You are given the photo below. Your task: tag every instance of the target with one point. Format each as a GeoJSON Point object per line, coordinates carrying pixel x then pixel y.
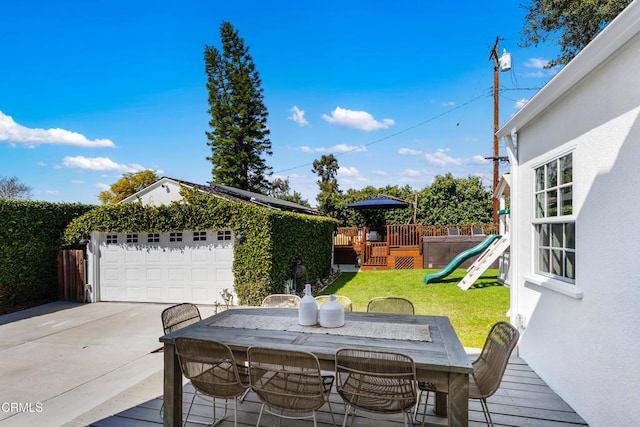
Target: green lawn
{"type": "Point", "coordinates": [472, 312]}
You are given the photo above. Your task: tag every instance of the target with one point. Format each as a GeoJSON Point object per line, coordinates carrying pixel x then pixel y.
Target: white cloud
{"type": "Point", "coordinates": [338, 148]}
{"type": "Point", "coordinates": [380, 173]}
{"type": "Point", "coordinates": [297, 115]}
{"type": "Point", "coordinates": [537, 63]}
{"type": "Point", "coordinates": [479, 159]}
{"type": "Point", "coordinates": [356, 119]}
{"type": "Point", "coordinates": [409, 152]}
{"type": "Point", "coordinates": [100, 164]}
{"type": "Point", "coordinates": [348, 171]}
{"type": "Point", "coordinates": [411, 172]}
{"type": "Point", "coordinates": [520, 102]}
{"type": "Point", "coordinates": [440, 158]}
{"type": "Point", "coordinates": [103, 187]}
{"type": "Point", "coordinates": [449, 104]}
{"type": "Point", "coordinates": [77, 181]}
{"type": "Point", "coordinates": [14, 133]}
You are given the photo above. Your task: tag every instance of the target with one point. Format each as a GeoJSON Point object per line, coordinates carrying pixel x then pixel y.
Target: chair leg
{"type": "Point", "coordinates": [331, 412]}
{"type": "Point", "coordinates": [487, 414]}
{"type": "Point", "coordinates": [260, 415]}
{"type": "Point", "coordinates": [244, 395]}
{"type": "Point", "coordinates": [415, 409]}
{"type": "Point", "coordinates": [189, 410]}
{"type": "Point", "coordinates": [424, 411]}
{"type": "Point", "coordinates": [347, 410]}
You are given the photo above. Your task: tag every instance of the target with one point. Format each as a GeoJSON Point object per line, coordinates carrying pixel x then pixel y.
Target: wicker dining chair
{"type": "Point", "coordinates": [381, 382]}
{"type": "Point", "coordinates": [213, 371]}
{"type": "Point", "coordinates": [281, 301]}
{"type": "Point", "coordinates": [288, 382]}
{"type": "Point", "coordinates": [178, 316]}
{"type": "Point", "coordinates": [390, 305]}
{"type": "Point", "coordinates": [345, 301]}
{"type": "Point", "coordinates": [488, 368]}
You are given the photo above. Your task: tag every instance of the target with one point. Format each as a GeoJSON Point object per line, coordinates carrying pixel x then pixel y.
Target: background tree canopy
{"type": "Point", "coordinates": [447, 200]}
{"type": "Point", "coordinates": [12, 188]}
{"type": "Point", "coordinates": [129, 184]}
{"type": "Point", "coordinates": [572, 24]}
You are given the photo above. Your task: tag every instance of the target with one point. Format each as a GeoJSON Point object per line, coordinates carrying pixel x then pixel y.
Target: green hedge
{"type": "Point", "coordinates": [30, 236]}
{"type": "Point", "coordinates": [261, 264]}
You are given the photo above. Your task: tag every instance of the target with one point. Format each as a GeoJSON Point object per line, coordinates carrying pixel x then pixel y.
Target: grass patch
{"type": "Point", "coordinates": [472, 312]}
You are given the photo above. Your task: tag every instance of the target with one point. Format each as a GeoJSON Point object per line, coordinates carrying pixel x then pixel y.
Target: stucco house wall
{"type": "Point", "coordinates": [583, 338]}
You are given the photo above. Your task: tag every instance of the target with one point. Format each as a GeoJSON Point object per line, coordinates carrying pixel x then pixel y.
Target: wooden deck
{"type": "Point", "coordinates": [522, 400]}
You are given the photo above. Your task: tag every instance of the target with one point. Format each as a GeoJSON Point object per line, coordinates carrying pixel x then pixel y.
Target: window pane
{"type": "Point", "coordinates": [570, 265]}
{"type": "Point", "coordinates": [556, 262]}
{"type": "Point", "coordinates": [552, 203]}
{"type": "Point", "coordinates": [543, 232]}
{"type": "Point", "coordinates": [552, 174]}
{"type": "Point", "coordinates": [543, 263]}
{"type": "Point", "coordinates": [570, 235]}
{"type": "Point", "coordinates": [566, 169]}
{"type": "Point", "coordinates": [540, 205]}
{"type": "Point", "coordinates": [556, 235]}
{"type": "Point", "coordinates": [540, 179]}
{"type": "Point", "coordinates": [566, 200]}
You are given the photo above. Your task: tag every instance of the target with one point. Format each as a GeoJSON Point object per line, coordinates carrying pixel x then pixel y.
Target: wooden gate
{"type": "Point", "coordinates": [71, 274]}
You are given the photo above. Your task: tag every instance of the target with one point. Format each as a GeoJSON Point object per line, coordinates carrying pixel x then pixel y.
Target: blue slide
{"type": "Point", "coordinates": [460, 258]}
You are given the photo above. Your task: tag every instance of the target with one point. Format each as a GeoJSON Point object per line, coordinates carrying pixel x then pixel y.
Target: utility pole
{"type": "Point", "coordinates": [496, 125]}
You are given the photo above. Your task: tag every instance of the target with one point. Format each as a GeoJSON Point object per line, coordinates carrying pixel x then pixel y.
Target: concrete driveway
{"type": "Point", "coordinates": [60, 360]}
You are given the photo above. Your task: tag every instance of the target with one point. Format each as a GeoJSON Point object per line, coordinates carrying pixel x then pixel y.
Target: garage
{"type": "Point", "coordinates": [170, 267]}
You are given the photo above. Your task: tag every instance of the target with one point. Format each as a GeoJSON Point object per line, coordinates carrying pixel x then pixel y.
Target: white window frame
{"type": "Point", "coordinates": [223, 235]}
{"type": "Point", "coordinates": [557, 282]}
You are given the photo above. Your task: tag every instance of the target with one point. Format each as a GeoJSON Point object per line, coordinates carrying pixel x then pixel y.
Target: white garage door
{"type": "Point", "coordinates": [184, 266]}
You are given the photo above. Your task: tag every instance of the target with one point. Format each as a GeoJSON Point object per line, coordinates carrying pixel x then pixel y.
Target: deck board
{"type": "Point", "coordinates": [523, 400]}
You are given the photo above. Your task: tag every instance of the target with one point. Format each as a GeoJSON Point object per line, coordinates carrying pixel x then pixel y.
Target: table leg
{"type": "Point", "coordinates": [441, 404]}
{"type": "Point", "coordinates": [458, 400]}
{"type": "Point", "coordinates": [172, 387]}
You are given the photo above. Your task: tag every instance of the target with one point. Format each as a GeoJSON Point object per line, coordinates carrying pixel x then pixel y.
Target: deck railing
{"type": "Point", "coordinates": [407, 234]}
{"type": "Point", "coordinates": [374, 254]}
{"type": "Point", "coordinates": [404, 235]}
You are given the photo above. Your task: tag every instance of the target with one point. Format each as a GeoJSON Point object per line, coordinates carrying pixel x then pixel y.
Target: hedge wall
{"type": "Point", "coordinates": [261, 264]}
{"type": "Point", "coordinates": [30, 236]}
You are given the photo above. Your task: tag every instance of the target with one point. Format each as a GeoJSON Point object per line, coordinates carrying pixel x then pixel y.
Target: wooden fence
{"type": "Point", "coordinates": [71, 274]}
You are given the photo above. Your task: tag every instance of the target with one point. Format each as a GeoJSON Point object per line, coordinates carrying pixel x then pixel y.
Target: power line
{"type": "Point", "coordinates": [400, 132]}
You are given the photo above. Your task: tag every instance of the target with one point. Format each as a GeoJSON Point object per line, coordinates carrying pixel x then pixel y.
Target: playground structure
{"type": "Point", "coordinates": [404, 246]}
{"type": "Point", "coordinates": [490, 249]}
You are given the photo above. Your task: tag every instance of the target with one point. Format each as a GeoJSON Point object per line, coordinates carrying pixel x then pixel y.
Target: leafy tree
{"type": "Point", "coordinates": [328, 199]}
{"type": "Point", "coordinates": [129, 184]}
{"type": "Point", "coordinates": [576, 22]}
{"type": "Point", "coordinates": [12, 188]}
{"type": "Point", "coordinates": [239, 134]}
{"type": "Point", "coordinates": [452, 200]}
{"type": "Point", "coordinates": [280, 189]}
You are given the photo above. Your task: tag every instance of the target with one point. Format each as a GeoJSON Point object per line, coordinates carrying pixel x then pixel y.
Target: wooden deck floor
{"type": "Point", "coordinates": [522, 400]}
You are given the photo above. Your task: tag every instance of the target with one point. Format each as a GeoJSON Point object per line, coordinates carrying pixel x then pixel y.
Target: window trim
{"type": "Point", "coordinates": [561, 284]}
{"type": "Point", "coordinates": [537, 281]}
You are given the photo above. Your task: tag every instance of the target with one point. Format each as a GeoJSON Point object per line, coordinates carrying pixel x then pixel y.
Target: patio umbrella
{"type": "Point", "coordinates": [378, 203]}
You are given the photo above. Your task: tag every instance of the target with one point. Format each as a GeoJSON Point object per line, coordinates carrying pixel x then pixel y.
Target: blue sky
{"type": "Point", "coordinates": [399, 91]}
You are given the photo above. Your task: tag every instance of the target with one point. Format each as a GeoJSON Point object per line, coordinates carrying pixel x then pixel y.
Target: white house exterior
{"type": "Point", "coordinates": [575, 174]}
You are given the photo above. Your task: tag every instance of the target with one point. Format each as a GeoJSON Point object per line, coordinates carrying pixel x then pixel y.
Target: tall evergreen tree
{"type": "Point", "coordinates": [239, 134]}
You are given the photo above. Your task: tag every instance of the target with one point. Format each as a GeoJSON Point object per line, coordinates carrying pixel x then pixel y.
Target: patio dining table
{"type": "Point", "coordinates": [431, 341]}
